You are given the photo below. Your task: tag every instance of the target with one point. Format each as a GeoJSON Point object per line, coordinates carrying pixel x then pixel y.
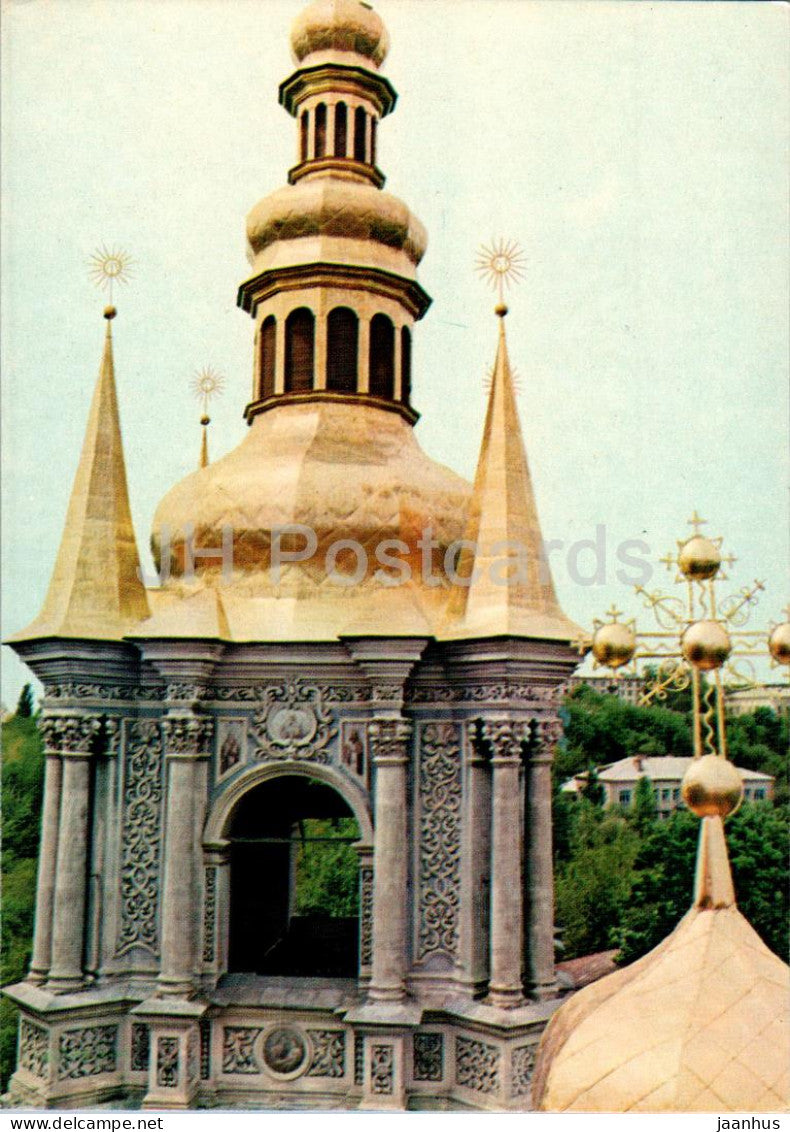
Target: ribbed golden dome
{"type": "Point", "coordinates": [333, 208]}
{"type": "Point", "coordinates": [347, 26]}
{"type": "Point", "coordinates": [700, 1024]}
{"type": "Point", "coordinates": [345, 471]}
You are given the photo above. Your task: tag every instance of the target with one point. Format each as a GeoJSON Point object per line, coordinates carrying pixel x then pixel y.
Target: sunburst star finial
{"type": "Point", "coordinates": [501, 264]}
{"type": "Point", "coordinates": [108, 266]}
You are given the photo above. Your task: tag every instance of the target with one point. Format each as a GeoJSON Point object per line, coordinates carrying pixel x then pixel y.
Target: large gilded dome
{"type": "Point", "coordinates": [700, 1024]}
{"type": "Point", "coordinates": [344, 471]}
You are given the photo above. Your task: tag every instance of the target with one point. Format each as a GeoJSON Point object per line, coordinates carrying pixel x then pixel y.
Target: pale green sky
{"type": "Point", "coordinates": [637, 151]}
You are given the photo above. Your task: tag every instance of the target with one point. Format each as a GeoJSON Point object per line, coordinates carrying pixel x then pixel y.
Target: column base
{"type": "Point", "coordinates": [174, 988]}
{"type": "Point", "coordinates": [386, 994]}
{"type": "Point", "coordinates": [63, 984]}
{"type": "Point", "coordinates": [36, 977]}
{"type": "Point", "coordinates": [542, 992]}
{"type": "Point", "coordinates": [506, 998]}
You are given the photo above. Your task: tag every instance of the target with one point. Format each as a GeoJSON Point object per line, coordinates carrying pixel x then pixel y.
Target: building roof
{"type": "Point", "coordinates": [697, 1025]}
{"type": "Point", "coordinates": [658, 768]}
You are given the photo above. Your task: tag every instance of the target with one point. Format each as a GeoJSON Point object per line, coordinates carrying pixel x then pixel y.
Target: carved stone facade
{"type": "Point", "coordinates": [439, 895]}
{"type": "Point", "coordinates": [141, 836]}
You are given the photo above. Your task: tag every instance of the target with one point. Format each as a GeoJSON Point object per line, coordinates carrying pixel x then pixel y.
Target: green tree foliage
{"type": "Point", "coordinates": [594, 883]}
{"type": "Point", "coordinates": [601, 729]}
{"type": "Point", "coordinates": [663, 884]}
{"type": "Point", "coordinates": [327, 875]}
{"type": "Point", "coordinates": [644, 810]}
{"type": "Point", "coordinates": [26, 704]}
{"type": "Point", "coordinates": [23, 777]}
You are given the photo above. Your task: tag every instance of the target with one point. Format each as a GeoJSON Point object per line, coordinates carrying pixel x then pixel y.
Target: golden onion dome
{"type": "Point", "coordinates": [348, 27]}
{"type": "Point", "coordinates": [614, 644]}
{"type": "Point", "coordinates": [712, 787]}
{"type": "Point", "coordinates": [706, 645]}
{"type": "Point", "coordinates": [779, 643]}
{"type": "Point", "coordinates": [699, 558]}
{"type": "Point", "coordinates": [328, 209]}
{"type": "Point", "coordinates": [344, 471]}
{"type": "Point", "coordinates": [697, 1025]}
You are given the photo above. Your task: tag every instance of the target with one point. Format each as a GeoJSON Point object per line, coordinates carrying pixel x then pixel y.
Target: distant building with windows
{"type": "Point", "coordinates": [666, 774]}
{"type": "Point", "coordinates": [740, 701]}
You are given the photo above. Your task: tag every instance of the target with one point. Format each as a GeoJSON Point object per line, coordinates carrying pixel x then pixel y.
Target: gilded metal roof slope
{"type": "Point", "coordinates": [502, 513]}
{"type": "Point", "coordinates": [700, 1024]}
{"type": "Point", "coordinates": [96, 590]}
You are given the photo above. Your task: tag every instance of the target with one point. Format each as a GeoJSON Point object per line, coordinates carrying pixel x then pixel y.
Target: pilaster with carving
{"type": "Point", "coordinates": [539, 959]}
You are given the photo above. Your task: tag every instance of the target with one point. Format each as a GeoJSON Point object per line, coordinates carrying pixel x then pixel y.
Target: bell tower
{"type": "Point", "coordinates": [334, 292]}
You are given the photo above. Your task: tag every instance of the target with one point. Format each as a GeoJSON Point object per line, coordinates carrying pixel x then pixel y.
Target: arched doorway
{"type": "Point", "coordinates": [294, 881]}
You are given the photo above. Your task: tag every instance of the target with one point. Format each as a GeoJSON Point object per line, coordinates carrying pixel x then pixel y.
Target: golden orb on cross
{"type": "Point", "coordinates": [706, 645]}
{"type": "Point", "coordinates": [613, 645]}
{"type": "Point", "coordinates": [699, 559]}
{"type": "Point", "coordinates": [712, 787]}
{"type": "Point", "coordinates": [779, 643]}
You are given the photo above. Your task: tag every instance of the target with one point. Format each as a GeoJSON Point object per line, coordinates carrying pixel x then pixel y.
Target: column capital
{"type": "Point", "coordinates": [549, 735]}
{"type": "Point", "coordinates": [504, 738]}
{"type": "Point", "coordinates": [187, 735]}
{"type": "Point", "coordinates": [79, 734]}
{"type": "Point", "coordinates": [389, 740]}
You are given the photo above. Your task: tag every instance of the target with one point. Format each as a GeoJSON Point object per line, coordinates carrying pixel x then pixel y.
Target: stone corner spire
{"type": "Point", "coordinates": [95, 590]}
{"type": "Point", "coordinates": [503, 525]}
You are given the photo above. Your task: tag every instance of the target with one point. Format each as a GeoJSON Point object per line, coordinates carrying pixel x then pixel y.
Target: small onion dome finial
{"type": "Point", "coordinates": [699, 558]}
{"type": "Point", "coordinates": [706, 645]}
{"type": "Point", "coordinates": [712, 787]}
{"type": "Point", "coordinates": [500, 309]}
{"type": "Point", "coordinates": [110, 313]}
{"type": "Point", "coordinates": [779, 643]}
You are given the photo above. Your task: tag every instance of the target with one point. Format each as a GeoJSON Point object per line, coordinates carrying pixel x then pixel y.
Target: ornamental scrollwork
{"type": "Point", "coordinates": [293, 723]}
{"type": "Point", "coordinates": [382, 1070]}
{"type": "Point", "coordinates": [428, 1057]}
{"type": "Point", "coordinates": [140, 1054]}
{"type": "Point", "coordinates": [187, 735]}
{"type": "Point", "coordinates": [33, 1048]}
{"type": "Point", "coordinates": [440, 839]}
{"type": "Point", "coordinates": [103, 692]}
{"type": "Point", "coordinates": [365, 915]}
{"type": "Point", "coordinates": [476, 1065]}
{"type": "Point", "coordinates": [237, 1049]}
{"type": "Point", "coordinates": [87, 1052]}
{"type": "Point", "coordinates": [522, 1063]}
{"type": "Point", "coordinates": [141, 837]}
{"type": "Point", "coordinates": [329, 1053]}
{"type": "Point", "coordinates": [167, 1062]}
{"type": "Point", "coordinates": [524, 694]}
{"type": "Point", "coordinates": [209, 914]}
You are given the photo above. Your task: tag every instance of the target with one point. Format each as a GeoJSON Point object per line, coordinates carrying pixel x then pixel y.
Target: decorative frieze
{"type": "Point", "coordinates": [382, 1069]}
{"type": "Point", "coordinates": [523, 694]}
{"type": "Point", "coordinates": [329, 1053]}
{"type": "Point", "coordinates": [522, 1063]}
{"type": "Point", "coordinates": [140, 1054]}
{"type": "Point", "coordinates": [141, 837]}
{"type": "Point", "coordinates": [33, 1048]}
{"type": "Point", "coordinates": [428, 1057]}
{"type": "Point", "coordinates": [87, 1052]}
{"type": "Point", "coordinates": [209, 914]}
{"type": "Point", "coordinates": [293, 723]}
{"type": "Point", "coordinates": [167, 1059]}
{"type": "Point", "coordinates": [237, 1049]}
{"type": "Point", "coordinates": [476, 1065]}
{"type": "Point", "coordinates": [440, 839]}
{"type": "Point", "coordinates": [129, 693]}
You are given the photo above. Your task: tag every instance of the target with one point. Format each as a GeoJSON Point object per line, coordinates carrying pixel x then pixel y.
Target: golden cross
{"type": "Point", "coordinates": [696, 522]}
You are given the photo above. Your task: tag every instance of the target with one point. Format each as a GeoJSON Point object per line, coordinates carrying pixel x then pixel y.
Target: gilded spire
{"type": "Point", "coordinates": [95, 590]}
{"type": "Point", "coordinates": [206, 384]}
{"type": "Point", "coordinates": [511, 590]}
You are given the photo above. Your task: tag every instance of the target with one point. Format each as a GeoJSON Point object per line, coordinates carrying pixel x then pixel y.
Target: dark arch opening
{"type": "Point", "coordinates": [405, 365]}
{"type": "Point", "coordinates": [341, 129]}
{"type": "Point", "coordinates": [320, 130]}
{"type": "Point", "coordinates": [299, 350]}
{"type": "Point", "coordinates": [268, 355]}
{"type": "Point", "coordinates": [342, 337]}
{"type": "Point", "coordinates": [382, 357]}
{"type": "Point", "coordinates": [373, 125]}
{"type": "Point", "coordinates": [359, 134]}
{"type": "Point", "coordinates": [294, 881]}
{"type": "Point", "coordinates": [305, 134]}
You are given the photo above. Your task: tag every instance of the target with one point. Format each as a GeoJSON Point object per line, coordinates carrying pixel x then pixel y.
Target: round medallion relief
{"type": "Point", "coordinates": [291, 726]}
{"type": "Point", "coordinates": [284, 1050]}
